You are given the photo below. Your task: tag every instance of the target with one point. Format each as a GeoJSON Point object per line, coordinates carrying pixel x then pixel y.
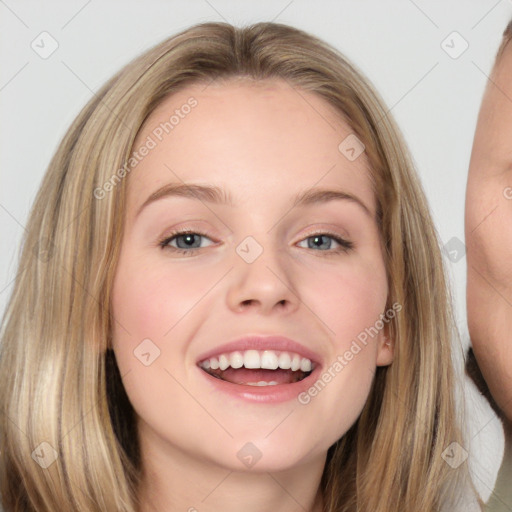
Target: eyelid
{"type": "Point", "coordinates": [187, 226]}
{"type": "Point", "coordinates": [180, 232]}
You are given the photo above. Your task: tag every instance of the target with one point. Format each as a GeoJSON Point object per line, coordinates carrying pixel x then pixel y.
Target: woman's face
{"type": "Point", "coordinates": [268, 256]}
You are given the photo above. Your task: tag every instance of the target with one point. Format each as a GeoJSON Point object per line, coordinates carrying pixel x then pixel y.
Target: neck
{"type": "Point", "coordinates": [176, 481]}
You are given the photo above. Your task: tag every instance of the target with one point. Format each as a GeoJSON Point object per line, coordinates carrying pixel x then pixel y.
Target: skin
{"type": "Point", "coordinates": [489, 236]}
{"type": "Point", "coordinates": [263, 143]}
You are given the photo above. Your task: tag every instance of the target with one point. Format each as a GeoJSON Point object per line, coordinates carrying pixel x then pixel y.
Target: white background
{"type": "Point", "coordinates": [397, 44]}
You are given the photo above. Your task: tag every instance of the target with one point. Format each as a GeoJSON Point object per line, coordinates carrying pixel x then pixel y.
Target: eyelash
{"type": "Point", "coordinates": [345, 245]}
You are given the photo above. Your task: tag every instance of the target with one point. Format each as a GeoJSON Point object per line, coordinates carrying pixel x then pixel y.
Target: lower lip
{"type": "Point", "coordinates": [263, 394]}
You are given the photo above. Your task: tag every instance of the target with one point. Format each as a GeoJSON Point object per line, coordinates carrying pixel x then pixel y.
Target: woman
{"type": "Point", "coordinates": [144, 372]}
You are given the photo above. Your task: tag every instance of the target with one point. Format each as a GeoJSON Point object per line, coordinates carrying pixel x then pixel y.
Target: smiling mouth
{"type": "Point", "coordinates": [258, 368]}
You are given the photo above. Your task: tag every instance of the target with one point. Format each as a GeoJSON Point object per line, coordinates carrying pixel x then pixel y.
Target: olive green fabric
{"type": "Point", "coordinates": [501, 498]}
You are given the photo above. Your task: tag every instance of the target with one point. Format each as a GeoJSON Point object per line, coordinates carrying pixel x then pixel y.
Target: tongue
{"type": "Point", "coordinates": [245, 375]}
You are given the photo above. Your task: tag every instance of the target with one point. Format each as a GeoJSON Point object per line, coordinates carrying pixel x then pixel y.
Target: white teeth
{"type": "Point", "coordinates": [223, 362]}
{"type": "Point", "coordinates": [305, 365]}
{"type": "Point", "coordinates": [285, 361]}
{"type": "Point", "coordinates": [236, 360]}
{"type": "Point", "coordinates": [254, 359]}
{"type": "Point", "coordinates": [262, 383]}
{"type": "Point", "coordinates": [295, 363]}
{"type": "Point", "coordinates": [269, 360]}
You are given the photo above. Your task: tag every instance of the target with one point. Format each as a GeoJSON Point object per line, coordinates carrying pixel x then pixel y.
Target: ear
{"type": "Point", "coordinates": [385, 350]}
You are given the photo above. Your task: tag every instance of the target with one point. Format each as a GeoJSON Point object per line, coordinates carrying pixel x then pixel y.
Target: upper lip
{"type": "Point", "coordinates": [259, 342]}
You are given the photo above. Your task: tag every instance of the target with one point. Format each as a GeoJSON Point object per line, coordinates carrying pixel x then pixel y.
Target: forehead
{"type": "Point", "coordinates": [254, 138]}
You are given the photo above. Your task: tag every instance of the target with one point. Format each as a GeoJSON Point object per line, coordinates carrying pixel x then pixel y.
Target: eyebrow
{"type": "Point", "coordinates": [216, 195]}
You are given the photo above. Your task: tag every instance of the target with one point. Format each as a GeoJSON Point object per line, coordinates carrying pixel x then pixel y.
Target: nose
{"type": "Point", "coordinates": [265, 285]}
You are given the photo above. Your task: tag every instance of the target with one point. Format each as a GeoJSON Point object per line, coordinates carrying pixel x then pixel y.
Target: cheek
{"type": "Point", "coordinates": [348, 299]}
{"type": "Point", "coordinates": [350, 304]}
{"type": "Point", "coordinates": [148, 300]}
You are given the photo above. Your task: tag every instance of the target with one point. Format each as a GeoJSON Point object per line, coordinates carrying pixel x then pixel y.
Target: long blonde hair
{"type": "Point", "coordinates": [60, 383]}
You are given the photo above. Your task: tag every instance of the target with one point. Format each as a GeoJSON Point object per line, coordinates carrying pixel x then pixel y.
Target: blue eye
{"type": "Point", "coordinates": [186, 241]}
{"type": "Point", "coordinates": [323, 241]}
